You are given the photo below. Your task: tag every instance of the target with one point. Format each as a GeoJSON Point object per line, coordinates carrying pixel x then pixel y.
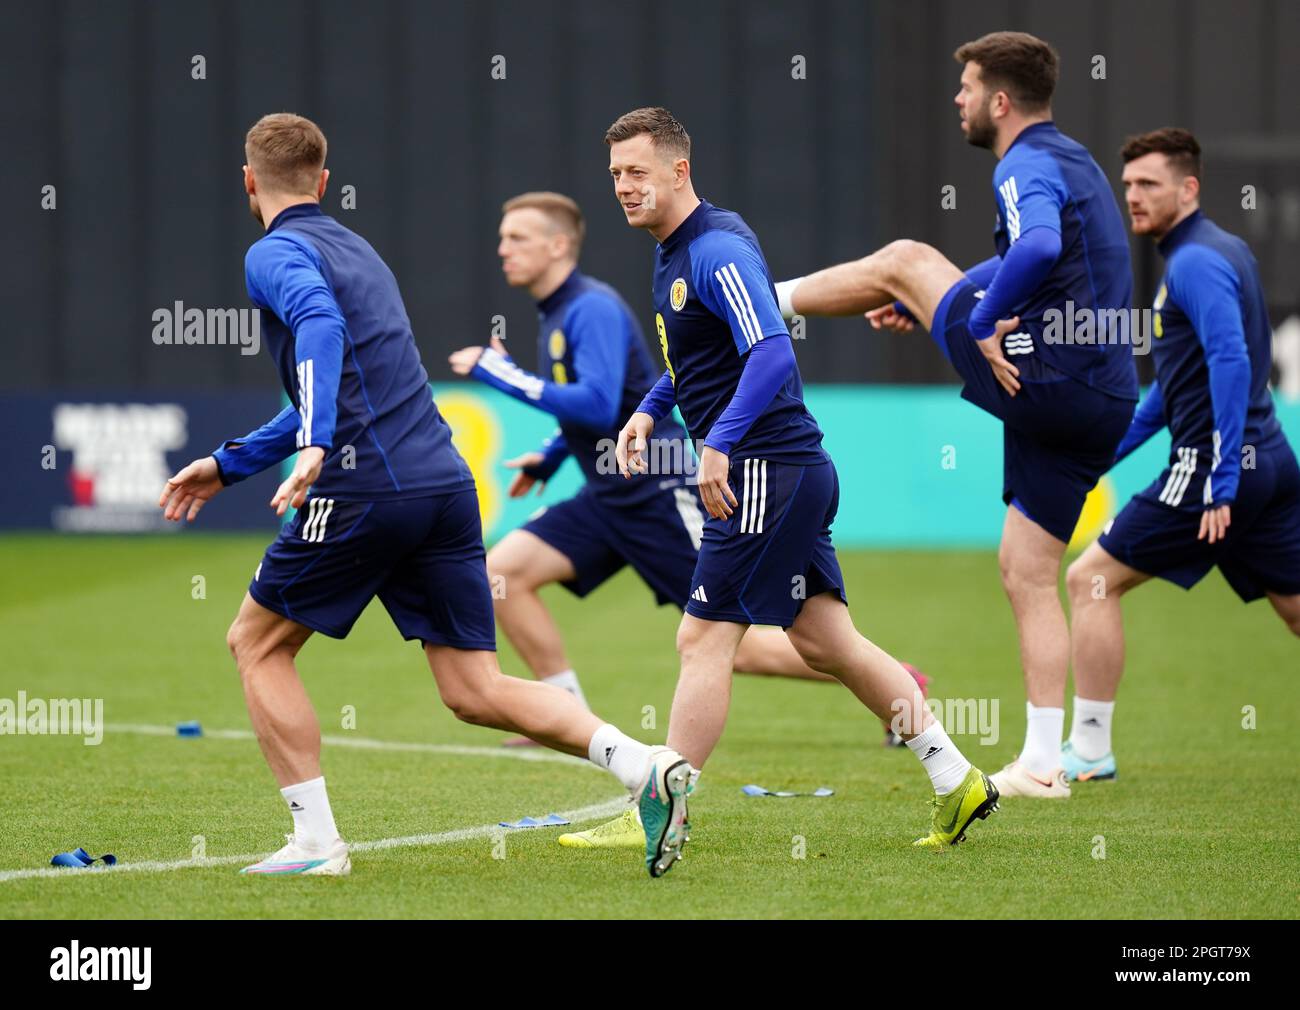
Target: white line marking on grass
{"type": "Point", "coordinates": [587, 813]}
{"type": "Point", "coordinates": [363, 743]}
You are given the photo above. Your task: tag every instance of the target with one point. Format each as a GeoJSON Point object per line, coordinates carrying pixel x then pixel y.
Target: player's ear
{"type": "Point", "coordinates": [250, 183]}
{"type": "Point", "coordinates": [1191, 188]}
{"type": "Point", "coordinates": [681, 172]}
{"type": "Point", "coordinates": [324, 181]}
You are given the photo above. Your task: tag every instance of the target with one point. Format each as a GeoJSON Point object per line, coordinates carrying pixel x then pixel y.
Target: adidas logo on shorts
{"type": "Point", "coordinates": [699, 596]}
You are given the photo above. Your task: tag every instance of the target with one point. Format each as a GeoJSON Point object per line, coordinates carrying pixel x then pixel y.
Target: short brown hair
{"type": "Point", "coordinates": [1022, 65]}
{"type": "Point", "coordinates": [1176, 144]}
{"type": "Point", "coordinates": [667, 135]}
{"type": "Point", "coordinates": [560, 210]}
{"type": "Point", "coordinates": [286, 152]}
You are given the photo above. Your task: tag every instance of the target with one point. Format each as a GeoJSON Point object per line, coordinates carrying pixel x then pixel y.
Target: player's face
{"type": "Point", "coordinates": [1151, 190]}
{"type": "Point", "coordinates": [643, 180]}
{"type": "Point", "coordinates": [973, 101]}
{"type": "Point", "coordinates": [527, 246]}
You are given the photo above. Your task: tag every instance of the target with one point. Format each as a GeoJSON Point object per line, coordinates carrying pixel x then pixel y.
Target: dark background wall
{"type": "Point", "coordinates": [100, 103]}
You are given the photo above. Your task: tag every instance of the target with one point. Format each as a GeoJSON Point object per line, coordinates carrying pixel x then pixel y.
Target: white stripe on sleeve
{"type": "Point", "coordinates": [749, 305]}
{"type": "Point", "coordinates": [733, 301]}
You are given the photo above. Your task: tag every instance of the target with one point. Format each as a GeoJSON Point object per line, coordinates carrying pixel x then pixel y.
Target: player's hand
{"type": "Point", "coordinates": [991, 347]}
{"type": "Point", "coordinates": [498, 345]}
{"type": "Point", "coordinates": [523, 482]}
{"type": "Point", "coordinates": [715, 491]}
{"type": "Point", "coordinates": [187, 492]}
{"type": "Point", "coordinates": [305, 471]}
{"type": "Point", "coordinates": [1215, 523]}
{"type": "Point", "coordinates": [632, 441]}
{"type": "Point", "coordinates": [463, 361]}
{"type": "Point", "coordinates": [889, 318]}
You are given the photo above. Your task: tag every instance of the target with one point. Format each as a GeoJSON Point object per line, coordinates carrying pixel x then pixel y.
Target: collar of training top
{"type": "Point", "coordinates": [688, 229]}
{"type": "Point", "coordinates": [297, 210]}
{"type": "Point", "coordinates": [1178, 232]}
{"type": "Point", "coordinates": [561, 294]}
{"type": "Point", "coordinates": [1046, 126]}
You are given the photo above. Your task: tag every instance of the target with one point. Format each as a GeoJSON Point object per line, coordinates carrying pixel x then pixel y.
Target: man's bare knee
{"type": "Point", "coordinates": [250, 641]}
{"type": "Point", "coordinates": [1079, 579]}
{"type": "Point", "coordinates": [700, 640]}
{"type": "Point", "coordinates": [690, 639]}
{"type": "Point", "coordinates": [1097, 575]}
{"type": "Point", "coordinates": [1009, 565]}
{"type": "Point", "coordinates": [524, 563]}
{"type": "Point", "coordinates": [813, 651]}
{"type": "Point", "coordinates": [470, 703]}
{"type": "Point", "coordinates": [1288, 608]}
{"type": "Point", "coordinates": [1023, 574]}
{"type": "Point", "coordinates": [910, 253]}
{"type": "Point", "coordinates": [507, 564]}
{"type": "Point", "coordinates": [1087, 579]}
{"type": "Point", "coordinates": [233, 639]}
{"type": "Point", "coordinates": [904, 258]}
{"type": "Point", "coordinates": [242, 641]}
{"type": "Point", "coordinates": [470, 708]}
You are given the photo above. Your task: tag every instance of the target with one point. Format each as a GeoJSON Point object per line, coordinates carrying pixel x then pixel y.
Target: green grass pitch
{"type": "Point", "coordinates": [1200, 823]}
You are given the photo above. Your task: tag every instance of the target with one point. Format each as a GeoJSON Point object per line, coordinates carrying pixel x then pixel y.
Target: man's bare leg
{"type": "Point", "coordinates": [699, 714]}
{"type": "Point", "coordinates": [824, 635]}
{"type": "Point", "coordinates": [474, 688]}
{"type": "Point", "coordinates": [264, 645]}
{"type": "Point", "coordinates": [1288, 608]}
{"type": "Point", "coordinates": [518, 566]}
{"type": "Point", "coordinates": [914, 273]}
{"type": "Point", "coordinates": [472, 685]}
{"type": "Point", "coordinates": [767, 652]}
{"type": "Point", "coordinates": [523, 563]}
{"type": "Point", "coordinates": [1096, 582]}
{"type": "Point", "coordinates": [1030, 561]}
{"type": "Point", "coordinates": [826, 638]}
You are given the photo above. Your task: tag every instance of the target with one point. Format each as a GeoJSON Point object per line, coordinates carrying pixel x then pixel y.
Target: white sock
{"type": "Point", "coordinates": [567, 680]}
{"type": "Point", "coordinates": [620, 754]}
{"type": "Point", "coordinates": [1090, 728]}
{"type": "Point", "coordinates": [785, 296]}
{"type": "Point", "coordinates": [1041, 754]}
{"type": "Point", "coordinates": [313, 821]}
{"type": "Point", "coordinates": [940, 758]}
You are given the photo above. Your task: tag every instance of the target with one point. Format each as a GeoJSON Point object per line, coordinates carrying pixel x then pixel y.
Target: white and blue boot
{"type": "Point", "coordinates": [1078, 769]}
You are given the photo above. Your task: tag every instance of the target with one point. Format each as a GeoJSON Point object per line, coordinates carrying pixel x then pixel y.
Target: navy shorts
{"type": "Point", "coordinates": [1261, 552]}
{"type": "Point", "coordinates": [774, 551]}
{"type": "Point", "coordinates": [423, 558]}
{"type": "Point", "coordinates": [1058, 435]}
{"type": "Point", "coordinates": [659, 537]}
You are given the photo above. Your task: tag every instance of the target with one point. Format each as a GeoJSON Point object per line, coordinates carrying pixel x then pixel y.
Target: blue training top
{"type": "Point", "coordinates": [1063, 249]}
{"type": "Point", "coordinates": [336, 328]}
{"type": "Point", "coordinates": [731, 366]}
{"type": "Point", "coordinates": [590, 343]}
{"type": "Point", "coordinates": [1213, 350]}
